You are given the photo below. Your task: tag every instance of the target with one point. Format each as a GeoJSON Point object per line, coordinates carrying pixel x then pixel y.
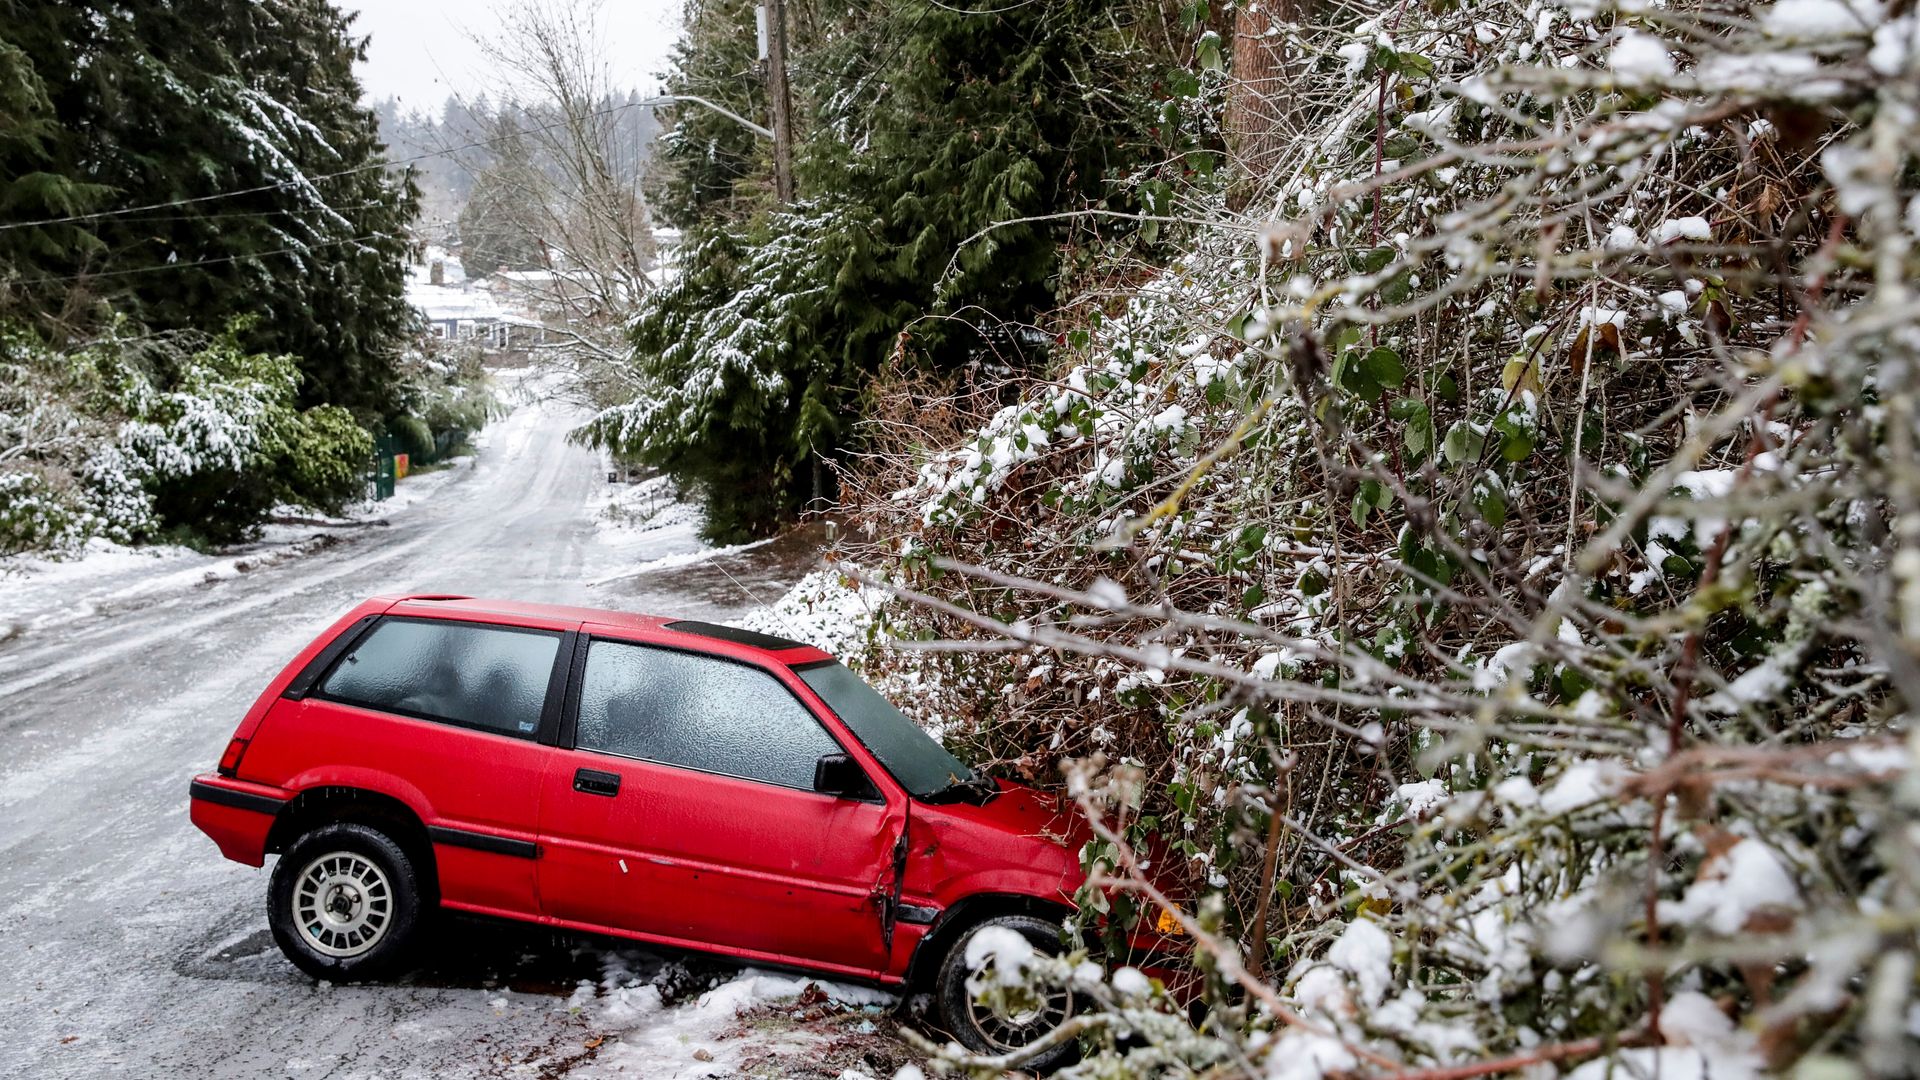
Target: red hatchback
{"type": "Point", "coordinates": [675, 782]}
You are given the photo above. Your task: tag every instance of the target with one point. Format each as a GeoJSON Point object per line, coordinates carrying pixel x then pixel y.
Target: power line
{"type": "Point", "coordinates": [281, 185]}
{"type": "Point", "coordinates": [228, 214]}
{"type": "Point", "coordinates": [56, 279]}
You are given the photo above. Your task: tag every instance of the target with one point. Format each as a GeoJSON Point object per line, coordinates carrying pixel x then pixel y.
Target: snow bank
{"type": "Point", "coordinates": [681, 558]}
{"type": "Point", "coordinates": [825, 609]}
{"type": "Point", "coordinates": [701, 1037]}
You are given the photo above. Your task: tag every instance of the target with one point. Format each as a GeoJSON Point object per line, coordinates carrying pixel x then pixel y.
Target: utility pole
{"type": "Point", "coordinates": [774, 17]}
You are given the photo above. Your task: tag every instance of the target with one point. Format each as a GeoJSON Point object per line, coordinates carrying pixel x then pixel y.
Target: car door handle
{"type": "Point", "coordinates": [595, 782]}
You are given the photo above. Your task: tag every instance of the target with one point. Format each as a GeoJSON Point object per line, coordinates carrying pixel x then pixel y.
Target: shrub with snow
{"type": "Point", "coordinates": [1488, 566]}
{"type": "Point", "coordinates": [127, 435]}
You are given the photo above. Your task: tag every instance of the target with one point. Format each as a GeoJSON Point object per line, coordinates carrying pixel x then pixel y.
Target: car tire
{"type": "Point", "coordinates": [344, 903]}
{"type": "Point", "coordinates": [986, 1031]}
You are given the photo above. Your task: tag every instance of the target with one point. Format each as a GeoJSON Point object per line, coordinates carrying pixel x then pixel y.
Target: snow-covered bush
{"type": "Point", "coordinates": [446, 395]}
{"type": "Point", "coordinates": [131, 434]}
{"type": "Point", "coordinates": [1485, 573]}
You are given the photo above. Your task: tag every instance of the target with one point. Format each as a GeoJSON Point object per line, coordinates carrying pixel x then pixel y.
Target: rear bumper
{"type": "Point", "coordinates": [236, 814]}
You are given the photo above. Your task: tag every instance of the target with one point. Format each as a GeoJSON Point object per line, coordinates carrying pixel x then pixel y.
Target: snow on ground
{"type": "Point", "coordinates": [37, 588]}
{"type": "Point", "coordinates": [680, 559]}
{"type": "Point", "coordinates": [649, 526]}
{"type": "Point", "coordinates": [748, 1022]}
{"type": "Point", "coordinates": [647, 506]}
{"type": "Point", "coordinates": [639, 519]}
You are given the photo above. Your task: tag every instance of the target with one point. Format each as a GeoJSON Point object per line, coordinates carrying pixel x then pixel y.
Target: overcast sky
{"type": "Point", "coordinates": [423, 50]}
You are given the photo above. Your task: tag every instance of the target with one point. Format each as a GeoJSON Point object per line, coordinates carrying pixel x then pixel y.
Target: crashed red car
{"type": "Point", "coordinates": [675, 782]}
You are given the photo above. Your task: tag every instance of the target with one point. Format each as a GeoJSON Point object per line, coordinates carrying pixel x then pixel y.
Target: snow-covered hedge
{"type": "Point", "coordinates": [127, 435]}
{"type": "Point", "coordinates": [1486, 572]}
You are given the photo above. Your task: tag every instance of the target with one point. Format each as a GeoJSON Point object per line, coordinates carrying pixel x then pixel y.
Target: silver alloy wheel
{"type": "Point", "coordinates": [343, 904]}
{"type": "Point", "coordinates": [1013, 1031]}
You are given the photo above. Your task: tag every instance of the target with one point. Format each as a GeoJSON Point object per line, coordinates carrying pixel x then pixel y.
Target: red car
{"type": "Point", "coordinates": [677, 782]}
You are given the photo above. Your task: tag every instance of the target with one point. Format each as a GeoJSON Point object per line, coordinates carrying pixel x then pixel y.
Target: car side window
{"type": "Point", "coordinates": [489, 677]}
{"type": "Point", "coordinates": [697, 712]}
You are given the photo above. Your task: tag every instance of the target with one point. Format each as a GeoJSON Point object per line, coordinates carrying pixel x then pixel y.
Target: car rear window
{"type": "Point", "coordinates": [488, 677]}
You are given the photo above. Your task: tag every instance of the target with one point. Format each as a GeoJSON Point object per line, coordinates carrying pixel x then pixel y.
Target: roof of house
{"type": "Point", "coordinates": [441, 304]}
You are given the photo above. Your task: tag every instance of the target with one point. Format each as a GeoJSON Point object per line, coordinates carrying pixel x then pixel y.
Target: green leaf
{"type": "Point", "coordinates": [1418, 434]}
{"type": "Point", "coordinates": [1207, 52]}
{"type": "Point", "coordinates": [1253, 598]}
{"type": "Point", "coordinates": [1401, 147]}
{"type": "Point", "coordinates": [1397, 288]}
{"type": "Point", "coordinates": [1572, 684]}
{"type": "Point", "coordinates": [1384, 368]}
{"type": "Point", "coordinates": [1517, 439]}
{"type": "Point", "coordinates": [1413, 65]}
{"type": "Point", "coordinates": [1462, 443]}
{"type": "Point", "coordinates": [1372, 494]}
{"type": "Point", "coordinates": [1493, 507]}
{"type": "Point", "coordinates": [1372, 259]}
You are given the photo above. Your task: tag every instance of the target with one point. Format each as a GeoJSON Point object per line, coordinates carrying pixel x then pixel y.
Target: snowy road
{"type": "Point", "coordinates": [130, 947]}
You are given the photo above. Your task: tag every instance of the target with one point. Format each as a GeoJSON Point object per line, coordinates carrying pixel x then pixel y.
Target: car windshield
{"type": "Point", "coordinates": [921, 765]}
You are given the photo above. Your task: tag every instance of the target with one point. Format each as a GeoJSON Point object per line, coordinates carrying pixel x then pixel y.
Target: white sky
{"type": "Point", "coordinates": [423, 50]}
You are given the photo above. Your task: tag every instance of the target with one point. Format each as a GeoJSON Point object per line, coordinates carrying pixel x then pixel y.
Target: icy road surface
{"type": "Point", "coordinates": [132, 949]}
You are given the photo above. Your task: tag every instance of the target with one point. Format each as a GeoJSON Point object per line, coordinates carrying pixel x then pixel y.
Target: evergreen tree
{"type": "Point", "coordinates": [702, 155]}
{"type": "Point", "coordinates": [928, 126]}
{"type": "Point", "coordinates": [235, 129]}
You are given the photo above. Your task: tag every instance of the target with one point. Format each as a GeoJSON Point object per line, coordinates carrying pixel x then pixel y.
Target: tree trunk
{"type": "Point", "coordinates": [781, 100]}
{"type": "Point", "coordinates": [1259, 98]}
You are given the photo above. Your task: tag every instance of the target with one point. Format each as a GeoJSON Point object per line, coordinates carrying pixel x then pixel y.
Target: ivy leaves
{"type": "Point", "coordinates": [1365, 373]}
{"type": "Point", "coordinates": [1417, 425]}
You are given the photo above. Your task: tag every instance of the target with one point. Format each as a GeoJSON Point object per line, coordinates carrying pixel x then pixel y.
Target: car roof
{"type": "Point", "coordinates": [731, 639]}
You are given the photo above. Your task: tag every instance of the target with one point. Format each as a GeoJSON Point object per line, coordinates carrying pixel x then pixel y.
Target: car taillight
{"type": "Point", "coordinates": [230, 761]}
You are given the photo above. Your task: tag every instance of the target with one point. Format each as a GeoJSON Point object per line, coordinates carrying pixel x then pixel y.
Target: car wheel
{"type": "Point", "coordinates": [344, 903]}
{"type": "Point", "coordinates": [1003, 1028]}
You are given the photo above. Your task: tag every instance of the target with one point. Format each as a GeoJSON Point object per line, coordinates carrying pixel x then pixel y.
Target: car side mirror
{"type": "Point", "coordinates": [838, 775]}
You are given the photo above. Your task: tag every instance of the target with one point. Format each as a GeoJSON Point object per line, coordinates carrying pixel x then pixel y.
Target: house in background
{"type": "Point", "coordinates": [459, 309]}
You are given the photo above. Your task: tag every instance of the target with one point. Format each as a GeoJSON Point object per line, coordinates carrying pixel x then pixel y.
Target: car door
{"type": "Point", "coordinates": [685, 811]}
{"type": "Point", "coordinates": [448, 717]}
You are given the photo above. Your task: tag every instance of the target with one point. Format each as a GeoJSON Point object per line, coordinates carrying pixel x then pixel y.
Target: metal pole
{"type": "Point", "coordinates": [763, 132]}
